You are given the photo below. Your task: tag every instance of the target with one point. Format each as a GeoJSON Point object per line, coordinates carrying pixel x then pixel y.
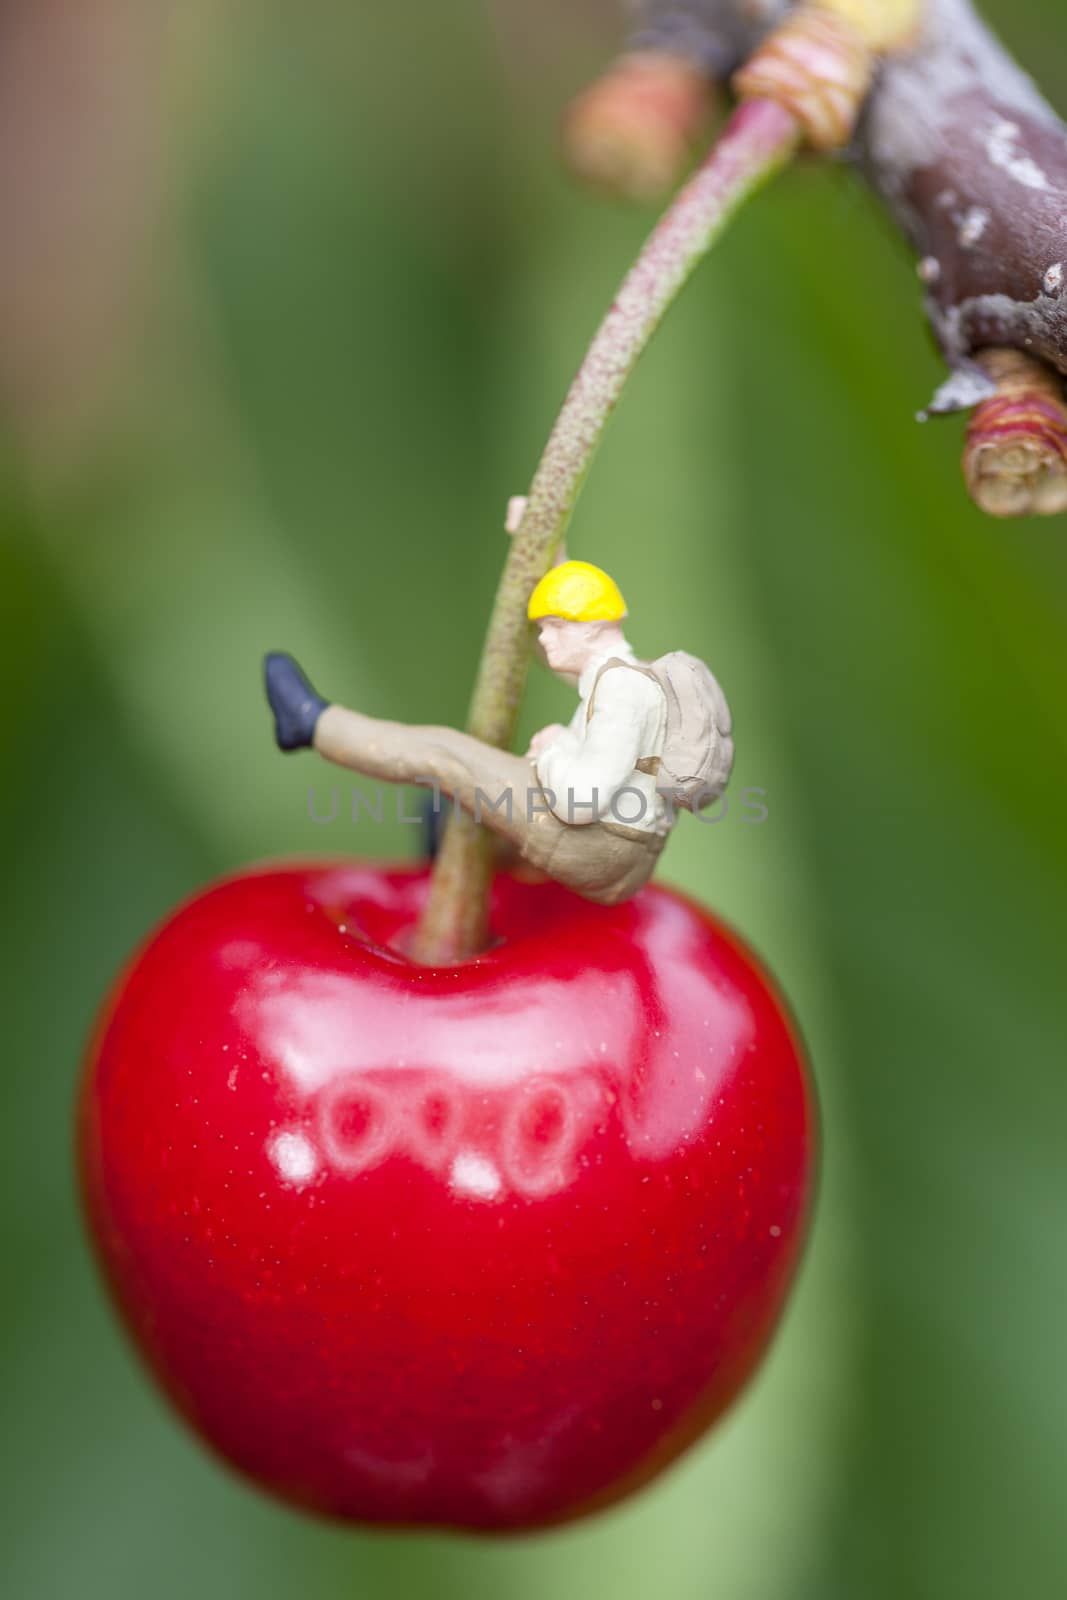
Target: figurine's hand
{"type": "Point", "coordinates": [513, 520]}
{"type": "Point", "coordinates": [541, 741]}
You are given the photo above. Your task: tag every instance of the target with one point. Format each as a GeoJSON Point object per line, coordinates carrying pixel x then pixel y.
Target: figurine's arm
{"type": "Point", "coordinates": [588, 772]}
{"type": "Point", "coordinates": [548, 736]}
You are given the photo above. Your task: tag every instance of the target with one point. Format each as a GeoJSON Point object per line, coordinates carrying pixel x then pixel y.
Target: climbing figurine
{"type": "Point", "coordinates": [590, 804]}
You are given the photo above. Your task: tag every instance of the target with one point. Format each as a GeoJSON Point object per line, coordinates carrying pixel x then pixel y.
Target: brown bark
{"type": "Point", "coordinates": [972, 162]}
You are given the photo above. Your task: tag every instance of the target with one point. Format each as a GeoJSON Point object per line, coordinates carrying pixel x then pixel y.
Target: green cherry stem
{"type": "Point", "coordinates": [759, 139]}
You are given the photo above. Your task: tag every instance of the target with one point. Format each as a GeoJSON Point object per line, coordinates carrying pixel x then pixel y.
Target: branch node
{"type": "Point", "coordinates": [818, 67]}
{"type": "Point", "coordinates": [1015, 455]}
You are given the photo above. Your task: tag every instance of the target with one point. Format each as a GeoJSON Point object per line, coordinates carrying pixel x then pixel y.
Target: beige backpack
{"type": "Point", "coordinates": [698, 752]}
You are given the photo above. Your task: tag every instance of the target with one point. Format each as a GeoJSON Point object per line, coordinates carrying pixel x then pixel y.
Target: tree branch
{"type": "Point", "coordinates": [972, 163]}
{"type": "Point", "coordinates": [970, 160]}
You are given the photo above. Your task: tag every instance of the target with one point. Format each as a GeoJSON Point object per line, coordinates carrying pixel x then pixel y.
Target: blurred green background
{"type": "Point", "coordinates": [288, 298]}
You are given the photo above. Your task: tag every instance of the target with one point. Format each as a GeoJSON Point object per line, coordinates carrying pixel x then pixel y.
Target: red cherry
{"type": "Point", "coordinates": [483, 1246]}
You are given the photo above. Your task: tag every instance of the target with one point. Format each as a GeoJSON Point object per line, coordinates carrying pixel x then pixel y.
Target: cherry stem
{"type": "Point", "coordinates": [759, 139]}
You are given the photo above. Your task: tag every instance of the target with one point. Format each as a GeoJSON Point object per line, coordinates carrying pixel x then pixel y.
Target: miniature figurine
{"type": "Point", "coordinates": [591, 804]}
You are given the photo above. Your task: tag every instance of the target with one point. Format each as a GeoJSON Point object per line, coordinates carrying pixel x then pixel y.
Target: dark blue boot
{"type": "Point", "coordinates": [296, 706]}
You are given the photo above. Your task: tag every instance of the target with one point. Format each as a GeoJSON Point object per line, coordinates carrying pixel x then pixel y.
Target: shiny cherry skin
{"type": "Point", "coordinates": [483, 1246]}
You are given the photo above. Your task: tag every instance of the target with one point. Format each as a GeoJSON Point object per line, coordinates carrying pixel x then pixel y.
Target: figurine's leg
{"type": "Point", "coordinates": [498, 788]}
{"type": "Point", "coordinates": [604, 862]}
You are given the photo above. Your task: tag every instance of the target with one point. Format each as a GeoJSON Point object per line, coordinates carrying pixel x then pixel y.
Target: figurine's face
{"type": "Point", "coordinates": [567, 646]}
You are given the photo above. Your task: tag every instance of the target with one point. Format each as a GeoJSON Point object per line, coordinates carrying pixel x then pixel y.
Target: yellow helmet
{"type": "Point", "coordinates": [578, 592]}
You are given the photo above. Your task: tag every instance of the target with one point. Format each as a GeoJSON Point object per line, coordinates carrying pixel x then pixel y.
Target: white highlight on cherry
{"type": "Point", "coordinates": [475, 1175]}
{"type": "Point", "coordinates": [293, 1156]}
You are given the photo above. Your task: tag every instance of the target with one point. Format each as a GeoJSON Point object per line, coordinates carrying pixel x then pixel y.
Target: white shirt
{"type": "Point", "coordinates": [591, 761]}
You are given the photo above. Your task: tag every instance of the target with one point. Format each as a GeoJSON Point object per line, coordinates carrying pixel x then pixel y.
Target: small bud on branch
{"type": "Point", "coordinates": [635, 130]}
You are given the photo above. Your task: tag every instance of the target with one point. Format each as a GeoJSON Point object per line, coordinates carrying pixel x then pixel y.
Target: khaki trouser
{"type": "Point", "coordinates": [604, 861]}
